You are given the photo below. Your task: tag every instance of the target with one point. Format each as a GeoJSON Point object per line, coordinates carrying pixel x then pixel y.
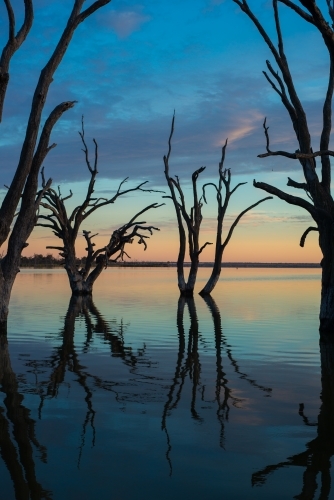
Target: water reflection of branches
{"type": "Point", "coordinates": [316, 459]}
{"type": "Point", "coordinates": [188, 362]}
{"type": "Point", "coordinates": [17, 434]}
{"type": "Point", "coordinates": [223, 344]}
{"type": "Point", "coordinates": [66, 358]}
{"type": "Point", "coordinates": [111, 332]}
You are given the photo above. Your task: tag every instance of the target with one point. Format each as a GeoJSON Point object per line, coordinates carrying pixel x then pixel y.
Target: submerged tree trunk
{"type": "Point", "coordinates": [217, 266]}
{"type": "Point", "coordinates": [80, 283]}
{"type": "Point", "coordinates": [6, 285]}
{"type": "Point", "coordinates": [326, 242]}
{"type": "Point", "coordinates": [188, 289]}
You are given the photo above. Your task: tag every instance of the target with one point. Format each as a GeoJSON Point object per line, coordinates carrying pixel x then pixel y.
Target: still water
{"type": "Point", "coordinates": [140, 395]}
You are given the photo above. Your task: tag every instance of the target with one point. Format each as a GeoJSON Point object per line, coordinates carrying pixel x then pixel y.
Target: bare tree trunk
{"type": "Point", "coordinates": [318, 189]}
{"type": "Point", "coordinates": [76, 277]}
{"type": "Point", "coordinates": [217, 266]}
{"type": "Point", "coordinates": [192, 221]}
{"type": "Point", "coordinates": [80, 283]}
{"type": "Point", "coordinates": [9, 268]}
{"type": "Point", "coordinates": [189, 289]}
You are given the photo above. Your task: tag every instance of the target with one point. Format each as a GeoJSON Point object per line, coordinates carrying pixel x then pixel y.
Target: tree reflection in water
{"type": "Point", "coordinates": [316, 459]}
{"type": "Point", "coordinates": [65, 357]}
{"type": "Point", "coordinates": [16, 445]}
{"type": "Point", "coordinates": [18, 440]}
{"type": "Point", "coordinates": [17, 434]}
{"type": "Point", "coordinates": [191, 366]}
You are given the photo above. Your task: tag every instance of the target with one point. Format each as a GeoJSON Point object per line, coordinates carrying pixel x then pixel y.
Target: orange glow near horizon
{"type": "Point", "coordinates": [269, 233]}
{"type": "Point", "coordinates": [274, 243]}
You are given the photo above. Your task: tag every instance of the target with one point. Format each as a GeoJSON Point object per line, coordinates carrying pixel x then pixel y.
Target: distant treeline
{"type": "Point", "coordinates": [39, 260]}
{"type": "Point", "coordinates": [48, 261]}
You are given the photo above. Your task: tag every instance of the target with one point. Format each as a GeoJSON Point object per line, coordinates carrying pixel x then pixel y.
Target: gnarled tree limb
{"type": "Point", "coordinates": [304, 235]}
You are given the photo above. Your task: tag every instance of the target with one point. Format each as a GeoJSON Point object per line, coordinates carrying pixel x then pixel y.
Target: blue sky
{"type": "Point", "coordinates": [131, 64]}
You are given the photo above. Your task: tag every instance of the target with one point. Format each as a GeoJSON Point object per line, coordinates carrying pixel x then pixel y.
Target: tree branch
{"type": "Point", "coordinates": [304, 235]}
{"type": "Point", "coordinates": [283, 95]}
{"type": "Point", "coordinates": [330, 10]}
{"type": "Point", "coordinates": [170, 141]}
{"type": "Point", "coordinates": [13, 44]}
{"type": "Point", "coordinates": [85, 150]}
{"type": "Point", "coordinates": [208, 184]}
{"type": "Point", "coordinates": [236, 187]}
{"type": "Point", "coordinates": [294, 156]}
{"type": "Point", "coordinates": [203, 246]}
{"type": "Point", "coordinates": [90, 10]}
{"type": "Point", "coordinates": [56, 248]}
{"type": "Point", "coordinates": [298, 10]}
{"type": "Point", "coordinates": [233, 226]}
{"type": "Point", "coordinates": [289, 198]}
{"type": "Point", "coordinates": [297, 185]}
{"type": "Point", "coordinates": [12, 197]}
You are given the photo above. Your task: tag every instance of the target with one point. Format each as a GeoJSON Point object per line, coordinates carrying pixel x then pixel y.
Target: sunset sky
{"type": "Point", "coordinates": [129, 67]}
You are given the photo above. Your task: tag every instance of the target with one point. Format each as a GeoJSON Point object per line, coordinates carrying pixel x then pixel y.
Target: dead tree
{"type": "Point", "coordinates": [222, 205]}
{"type": "Point", "coordinates": [192, 221]}
{"type": "Point", "coordinates": [66, 227]}
{"type": "Point", "coordinates": [320, 204]}
{"type": "Point", "coordinates": [35, 147]}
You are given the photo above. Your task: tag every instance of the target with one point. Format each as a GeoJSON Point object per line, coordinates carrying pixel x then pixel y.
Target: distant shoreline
{"type": "Point", "coordinates": [288, 265]}
{"type": "Point", "coordinates": [236, 265]}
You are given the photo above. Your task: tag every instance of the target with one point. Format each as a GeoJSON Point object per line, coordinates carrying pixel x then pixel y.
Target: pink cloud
{"type": "Point", "coordinates": [126, 22]}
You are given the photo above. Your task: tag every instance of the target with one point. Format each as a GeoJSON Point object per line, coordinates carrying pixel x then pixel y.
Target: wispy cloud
{"type": "Point", "coordinates": [124, 23]}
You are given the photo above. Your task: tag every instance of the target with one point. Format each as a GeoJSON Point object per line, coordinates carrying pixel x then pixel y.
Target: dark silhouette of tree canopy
{"type": "Point", "coordinates": [66, 227]}
{"type": "Point", "coordinates": [24, 186]}
{"type": "Point", "coordinates": [320, 204]}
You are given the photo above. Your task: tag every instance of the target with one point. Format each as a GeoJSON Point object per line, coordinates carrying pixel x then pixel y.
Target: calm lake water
{"type": "Point", "coordinates": [140, 395]}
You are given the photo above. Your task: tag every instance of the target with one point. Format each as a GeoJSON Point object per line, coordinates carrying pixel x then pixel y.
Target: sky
{"type": "Point", "coordinates": [129, 66]}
